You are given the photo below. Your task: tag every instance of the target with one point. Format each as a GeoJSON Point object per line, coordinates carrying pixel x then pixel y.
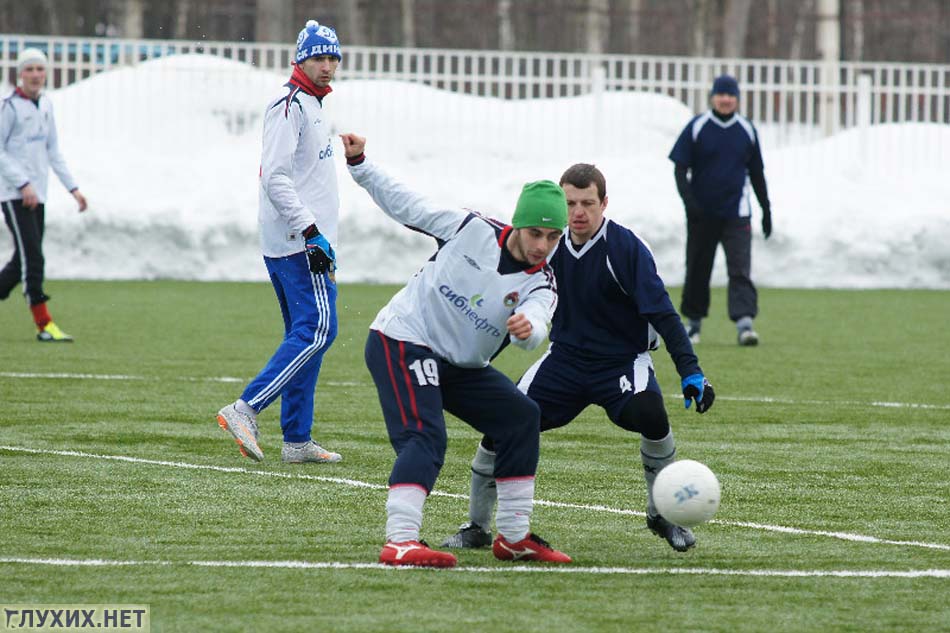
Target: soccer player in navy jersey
{"type": "Point", "coordinates": [720, 151]}
{"type": "Point", "coordinates": [612, 304]}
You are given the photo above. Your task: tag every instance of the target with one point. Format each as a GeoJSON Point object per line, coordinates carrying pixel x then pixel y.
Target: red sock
{"type": "Point", "coordinates": [40, 315]}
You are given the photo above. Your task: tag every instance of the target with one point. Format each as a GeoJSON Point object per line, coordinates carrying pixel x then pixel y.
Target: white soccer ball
{"type": "Point", "coordinates": [686, 493]}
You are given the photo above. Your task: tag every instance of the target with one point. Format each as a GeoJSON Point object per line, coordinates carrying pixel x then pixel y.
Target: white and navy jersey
{"type": "Point", "coordinates": [720, 156]}
{"type": "Point", "coordinates": [458, 304]}
{"type": "Point", "coordinates": [298, 176]}
{"type": "Point", "coordinates": [610, 296]}
{"type": "Point", "coordinates": [29, 146]}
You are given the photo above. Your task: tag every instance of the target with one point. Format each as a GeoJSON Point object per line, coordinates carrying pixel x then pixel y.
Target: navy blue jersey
{"type": "Point", "coordinates": [720, 156]}
{"type": "Point", "coordinates": [609, 294]}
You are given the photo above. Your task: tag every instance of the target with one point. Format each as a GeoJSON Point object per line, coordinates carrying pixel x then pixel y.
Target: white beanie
{"type": "Point", "coordinates": [30, 56]}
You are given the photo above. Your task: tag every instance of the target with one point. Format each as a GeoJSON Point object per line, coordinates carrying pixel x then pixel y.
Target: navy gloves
{"type": "Point", "coordinates": [767, 222]}
{"type": "Point", "coordinates": [320, 254]}
{"type": "Point", "coordinates": [697, 388]}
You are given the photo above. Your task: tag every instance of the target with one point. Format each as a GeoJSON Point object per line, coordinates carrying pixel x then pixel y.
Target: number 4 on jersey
{"type": "Point", "coordinates": [624, 384]}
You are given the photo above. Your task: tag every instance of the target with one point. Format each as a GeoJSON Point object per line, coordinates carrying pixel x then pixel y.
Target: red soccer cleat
{"type": "Point", "coordinates": [532, 547]}
{"type": "Point", "coordinates": [415, 553]}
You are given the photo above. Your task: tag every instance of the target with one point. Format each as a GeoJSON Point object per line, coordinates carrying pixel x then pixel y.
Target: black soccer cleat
{"type": "Point", "coordinates": [469, 536]}
{"type": "Point", "coordinates": [679, 538]}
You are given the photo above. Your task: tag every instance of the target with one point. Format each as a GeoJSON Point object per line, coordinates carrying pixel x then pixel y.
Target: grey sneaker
{"type": "Point", "coordinates": [469, 536]}
{"type": "Point", "coordinates": [748, 338]}
{"type": "Point", "coordinates": [307, 452]}
{"type": "Point", "coordinates": [679, 538]}
{"type": "Point", "coordinates": [244, 430]}
{"type": "Point", "coordinates": [693, 334]}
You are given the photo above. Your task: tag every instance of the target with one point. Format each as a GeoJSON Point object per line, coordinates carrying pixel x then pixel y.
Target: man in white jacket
{"type": "Point", "coordinates": [29, 146]}
{"type": "Point", "coordinates": [299, 210]}
{"type": "Point", "coordinates": [429, 351]}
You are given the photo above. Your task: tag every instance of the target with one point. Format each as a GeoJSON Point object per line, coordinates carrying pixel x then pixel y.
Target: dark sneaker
{"type": "Point", "coordinates": [748, 338]}
{"type": "Point", "coordinates": [532, 547]}
{"type": "Point", "coordinates": [693, 334]}
{"type": "Point", "coordinates": [416, 554]}
{"type": "Point", "coordinates": [469, 536]}
{"type": "Point", "coordinates": [679, 538]}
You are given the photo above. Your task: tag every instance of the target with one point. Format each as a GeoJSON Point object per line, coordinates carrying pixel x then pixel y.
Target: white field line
{"type": "Point", "coordinates": [132, 377]}
{"type": "Point", "coordinates": [329, 383]}
{"type": "Point", "coordinates": [514, 569]}
{"type": "Point", "coordinates": [845, 536]}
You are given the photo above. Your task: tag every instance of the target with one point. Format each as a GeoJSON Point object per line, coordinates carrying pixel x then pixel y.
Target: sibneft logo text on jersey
{"type": "Point", "coordinates": [462, 304]}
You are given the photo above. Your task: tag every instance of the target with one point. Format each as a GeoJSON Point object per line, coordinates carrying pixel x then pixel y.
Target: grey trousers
{"type": "Point", "coordinates": [702, 240]}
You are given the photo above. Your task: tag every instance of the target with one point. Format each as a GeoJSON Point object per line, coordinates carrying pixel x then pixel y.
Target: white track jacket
{"type": "Point", "coordinates": [29, 146]}
{"type": "Point", "coordinates": [298, 177]}
{"type": "Point", "coordinates": [458, 304]}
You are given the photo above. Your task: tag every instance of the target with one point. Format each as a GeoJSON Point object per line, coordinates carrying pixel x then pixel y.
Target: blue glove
{"type": "Point", "coordinates": [696, 387]}
{"type": "Point", "coordinates": [320, 254]}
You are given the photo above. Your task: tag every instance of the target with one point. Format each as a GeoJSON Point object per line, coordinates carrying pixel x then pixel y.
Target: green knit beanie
{"type": "Point", "coordinates": [541, 203]}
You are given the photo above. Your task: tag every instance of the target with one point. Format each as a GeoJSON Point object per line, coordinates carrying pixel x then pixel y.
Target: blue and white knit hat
{"type": "Point", "coordinates": [316, 39]}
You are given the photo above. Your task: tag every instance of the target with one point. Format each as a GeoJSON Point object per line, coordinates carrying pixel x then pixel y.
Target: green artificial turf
{"type": "Point", "coordinates": [838, 423]}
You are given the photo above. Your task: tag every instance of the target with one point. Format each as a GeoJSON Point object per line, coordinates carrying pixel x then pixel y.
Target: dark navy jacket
{"type": "Point", "coordinates": [721, 156]}
{"type": "Point", "coordinates": [609, 295]}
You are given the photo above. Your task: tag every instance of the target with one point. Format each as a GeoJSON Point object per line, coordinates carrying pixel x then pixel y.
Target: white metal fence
{"type": "Point", "coordinates": [788, 100]}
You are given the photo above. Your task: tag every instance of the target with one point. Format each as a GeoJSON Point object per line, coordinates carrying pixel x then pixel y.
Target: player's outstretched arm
{"type": "Point", "coordinates": [394, 198]}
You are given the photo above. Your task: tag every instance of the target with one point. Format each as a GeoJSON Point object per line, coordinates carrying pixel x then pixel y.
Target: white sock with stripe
{"type": "Point", "coordinates": [515, 503]}
{"type": "Point", "coordinates": [481, 499]}
{"type": "Point", "coordinates": [404, 513]}
{"type": "Point", "coordinates": [655, 455]}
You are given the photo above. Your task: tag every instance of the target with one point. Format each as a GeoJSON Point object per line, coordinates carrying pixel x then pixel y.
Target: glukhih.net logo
{"type": "Point", "coordinates": [465, 306]}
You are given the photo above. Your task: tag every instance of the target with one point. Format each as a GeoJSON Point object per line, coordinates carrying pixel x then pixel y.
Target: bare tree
{"type": "Point", "coordinates": [828, 33]}
{"type": "Point", "coordinates": [828, 39]}
{"type": "Point", "coordinates": [596, 25]}
{"type": "Point", "coordinates": [772, 38]}
{"type": "Point", "coordinates": [631, 41]}
{"type": "Point", "coordinates": [856, 26]}
{"type": "Point", "coordinates": [182, 9]}
{"type": "Point", "coordinates": [943, 51]}
{"type": "Point", "coordinates": [805, 9]}
{"type": "Point", "coordinates": [701, 13]}
{"type": "Point", "coordinates": [53, 17]}
{"type": "Point", "coordinates": [408, 23]}
{"type": "Point", "coordinates": [506, 32]}
{"type": "Point", "coordinates": [735, 27]}
{"type": "Point", "coordinates": [273, 20]}
{"type": "Point", "coordinates": [353, 18]}
{"type": "Point", "coordinates": [132, 16]}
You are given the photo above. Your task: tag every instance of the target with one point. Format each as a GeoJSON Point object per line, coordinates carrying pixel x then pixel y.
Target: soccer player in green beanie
{"type": "Point", "coordinates": [429, 350]}
{"type": "Point", "coordinates": [612, 306]}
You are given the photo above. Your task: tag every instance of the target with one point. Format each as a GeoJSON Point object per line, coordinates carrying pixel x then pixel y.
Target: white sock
{"type": "Point", "coordinates": [481, 498]}
{"type": "Point", "coordinates": [515, 502]}
{"type": "Point", "coordinates": [655, 454]}
{"type": "Point", "coordinates": [246, 409]}
{"type": "Point", "coordinates": [404, 512]}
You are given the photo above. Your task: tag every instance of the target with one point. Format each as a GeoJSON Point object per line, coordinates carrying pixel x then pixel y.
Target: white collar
{"type": "Point", "coordinates": [589, 244]}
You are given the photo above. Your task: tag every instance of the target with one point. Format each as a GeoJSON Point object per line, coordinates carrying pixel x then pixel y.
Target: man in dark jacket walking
{"type": "Point", "coordinates": [717, 156]}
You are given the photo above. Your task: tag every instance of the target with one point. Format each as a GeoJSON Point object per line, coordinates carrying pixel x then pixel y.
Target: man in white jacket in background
{"type": "Point", "coordinates": [29, 146]}
{"type": "Point", "coordinates": [299, 212]}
